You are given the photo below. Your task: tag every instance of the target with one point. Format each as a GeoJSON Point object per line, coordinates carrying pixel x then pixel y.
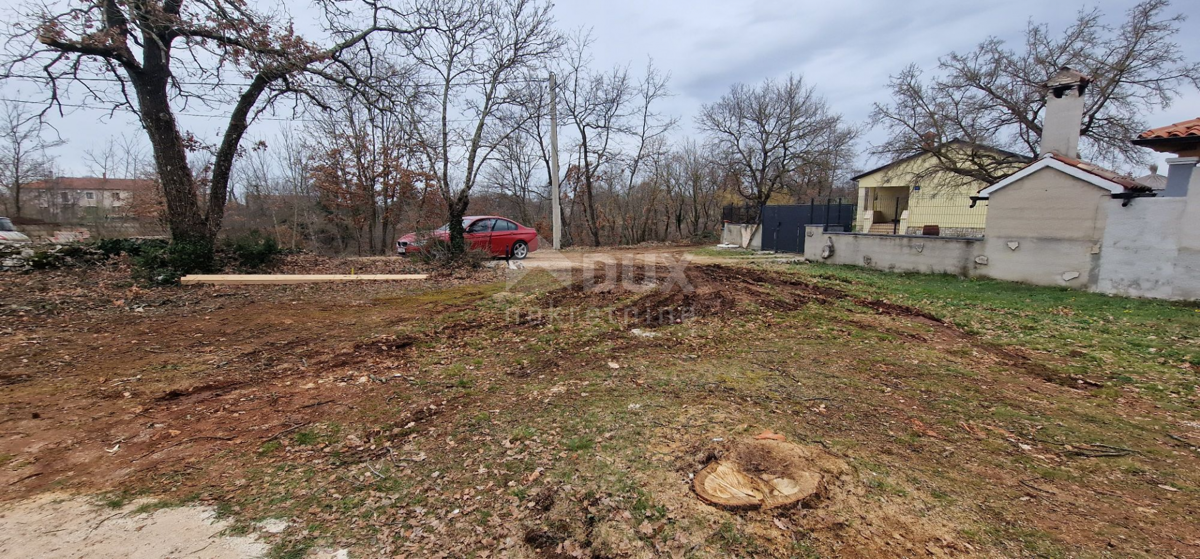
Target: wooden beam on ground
{"type": "Point", "coordinates": [286, 279]}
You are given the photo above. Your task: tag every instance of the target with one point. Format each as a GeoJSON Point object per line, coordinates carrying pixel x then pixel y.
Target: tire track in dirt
{"type": "Point", "coordinates": [662, 295]}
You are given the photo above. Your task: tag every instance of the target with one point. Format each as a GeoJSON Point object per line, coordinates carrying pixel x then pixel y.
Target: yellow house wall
{"type": "Point", "coordinates": [883, 200]}
{"type": "Point", "coordinates": [946, 208]}
{"type": "Point", "coordinates": [943, 202]}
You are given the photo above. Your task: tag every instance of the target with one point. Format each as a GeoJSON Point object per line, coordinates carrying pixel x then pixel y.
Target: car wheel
{"type": "Point", "coordinates": [520, 250]}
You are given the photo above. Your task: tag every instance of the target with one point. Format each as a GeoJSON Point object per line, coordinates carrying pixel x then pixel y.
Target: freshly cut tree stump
{"type": "Point", "coordinates": [762, 474]}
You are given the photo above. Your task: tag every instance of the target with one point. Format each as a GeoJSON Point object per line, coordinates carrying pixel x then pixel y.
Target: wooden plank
{"type": "Point", "coordinates": [282, 279]}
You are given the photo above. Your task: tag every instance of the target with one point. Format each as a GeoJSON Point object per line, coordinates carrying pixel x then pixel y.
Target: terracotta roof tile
{"type": "Point", "coordinates": [91, 183]}
{"type": "Point", "coordinates": [1124, 180]}
{"type": "Point", "coordinates": [1185, 129]}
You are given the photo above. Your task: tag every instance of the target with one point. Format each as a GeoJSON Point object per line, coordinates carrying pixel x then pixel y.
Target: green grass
{"type": "Point", "coordinates": [116, 500]}
{"type": "Point", "coordinates": [290, 550]}
{"type": "Point", "coordinates": [578, 444]}
{"type": "Point", "coordinates": [306, 438]}
{"type": "Point", "coordinates": [1148, 344]}
{"type": "Point", "coordinates": [724, 252]}
{"type": "Point", "coordinates": [269, 447]}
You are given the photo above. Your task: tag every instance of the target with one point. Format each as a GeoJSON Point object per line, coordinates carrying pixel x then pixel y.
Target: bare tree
{"type": "Point", "coordinates": [121, 157]}
{"type": "Point", "coordinates": [23, 157]}
{"type": "Point", "coordinates": [477, 51]}
{"type": "Point", "coordinates": [767, 135]}
{"type": "Point", "coordinates": [295, 161]}
{"type": "Point", "coordinates": [162, 55]}
{"type": "Point", "coordinates": [517, 163]}
{"type": "Point", "coordinates": [649, 129]}
{"type": "Point", "coordinates": [366, 167]}
{"type": "Point", "coordinates": [597, 105]}
{"type": "Point", "coordinates": [992, 98]}
{"type": "Point", "coordinates": [697, 181]}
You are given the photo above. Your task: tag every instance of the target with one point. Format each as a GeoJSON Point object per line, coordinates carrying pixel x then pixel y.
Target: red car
{"type": "Point", "coordinates": [500, 236]}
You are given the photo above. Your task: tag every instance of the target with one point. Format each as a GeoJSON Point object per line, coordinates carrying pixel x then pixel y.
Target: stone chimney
{"type": "Point", "coordinates": [928, 140]}
{"type": "Point", "coordinates": [1064, 113]}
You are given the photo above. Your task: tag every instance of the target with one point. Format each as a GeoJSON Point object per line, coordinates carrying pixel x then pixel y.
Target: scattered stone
{"type": "Point", "coordinates": [273, 525]}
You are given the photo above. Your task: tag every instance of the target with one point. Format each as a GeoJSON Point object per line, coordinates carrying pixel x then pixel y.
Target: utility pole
{"type": "Point", "coordinates": [554, 196]}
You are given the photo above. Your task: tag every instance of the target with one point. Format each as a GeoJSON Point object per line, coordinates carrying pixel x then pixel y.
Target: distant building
{"type": "Point", "coordinates": [92, 199]}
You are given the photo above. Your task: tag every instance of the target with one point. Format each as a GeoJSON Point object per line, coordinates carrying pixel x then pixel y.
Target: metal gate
{"type": "Point", "coordinates": [783, 226]}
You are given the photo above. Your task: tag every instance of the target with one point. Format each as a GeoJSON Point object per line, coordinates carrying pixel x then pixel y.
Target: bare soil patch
{"type": "Point", "coordinates": [58, 525]}
{"type": "Point", "coordinates": [418, 420]}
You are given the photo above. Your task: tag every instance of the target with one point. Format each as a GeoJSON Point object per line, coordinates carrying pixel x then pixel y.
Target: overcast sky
{"type": "Point", "coordinates": [847, 48]}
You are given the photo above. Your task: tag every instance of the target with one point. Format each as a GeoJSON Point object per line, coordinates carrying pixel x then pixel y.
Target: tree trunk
{"type": "Point", "coordinates": [458, 208]}
{"type": "Point", "coordinates": [184, 218]}
{"type": "Point", "coordinates": [16, 192]}
{"type": "Point", "coordinates": [589, 210]}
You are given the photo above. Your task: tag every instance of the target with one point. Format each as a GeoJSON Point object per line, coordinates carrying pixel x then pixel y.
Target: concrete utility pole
{"type": "Point", "coordinates": [554, 197]}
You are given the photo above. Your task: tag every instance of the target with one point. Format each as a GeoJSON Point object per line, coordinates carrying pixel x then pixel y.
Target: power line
{"type": "Point", "coordinates": [99, 108]}
{"type": "Point", "coordinates": [28, 77]}
{"type": "Point", "coordinates": [199, 115]}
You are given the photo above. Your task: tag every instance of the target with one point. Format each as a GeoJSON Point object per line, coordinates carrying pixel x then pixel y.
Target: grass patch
{"type": "Point", "coordinates": [1149, 344]}
{"type": "Point", "coordinates": [306, 438]}
{"type": "Point", "coordinates": [290, 550]}
{"type": "Point", "coordinates": [579, 444]}
{"type": "Point", "coordinates": [116, 501]}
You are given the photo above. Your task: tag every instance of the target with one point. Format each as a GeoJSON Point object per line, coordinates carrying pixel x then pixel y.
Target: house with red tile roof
{"type": "Point", "coordinates": [75, 199]}
{"type": "Point", "coordinates": [1181, 138]}
{"type": "Point", "coordinates": [88, 199]}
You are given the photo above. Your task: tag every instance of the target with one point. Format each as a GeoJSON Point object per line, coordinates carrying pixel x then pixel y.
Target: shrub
{"type": "Point", "coordinates": [134, 247]}
{"type": "Point", "coordinates": [252, 251]}
{"type": "Point", "coordinates": [159, 263]}
{"type": "Point", "coordinates": [165, 265]}
{"type": "Point", "coordinates": [437, 252]}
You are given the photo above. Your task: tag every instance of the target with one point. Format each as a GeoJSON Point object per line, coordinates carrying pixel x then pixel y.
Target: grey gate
{"type": "Point", "coordinates": [783, 226]}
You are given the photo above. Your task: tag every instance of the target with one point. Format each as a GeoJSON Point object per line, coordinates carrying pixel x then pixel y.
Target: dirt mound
{"type": "Point", "coordinates": [655, 295]}
{"type": "Point", "coordinates": [765, 474]}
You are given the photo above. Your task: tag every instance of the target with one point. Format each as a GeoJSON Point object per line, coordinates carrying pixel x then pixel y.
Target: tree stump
{"type": "Point", "coordinates": [762, 474]}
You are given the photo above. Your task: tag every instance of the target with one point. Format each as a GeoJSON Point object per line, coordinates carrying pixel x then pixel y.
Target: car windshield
{"type": "Point", "coordinates": [6, 224]}
{"type": "Point", "coordinates": [446, 227]}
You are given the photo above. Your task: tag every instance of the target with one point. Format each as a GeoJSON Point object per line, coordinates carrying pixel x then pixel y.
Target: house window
{"type": "Point", "coordinates": [116, 196]}
{"type": "Point", "coordinates": [64, 197]}
{"type": "Point", "coordinates": [89, 195]}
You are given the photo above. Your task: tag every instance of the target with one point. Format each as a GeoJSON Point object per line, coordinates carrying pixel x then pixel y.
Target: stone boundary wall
{"type": "Point", "coordinates": [962, 256]}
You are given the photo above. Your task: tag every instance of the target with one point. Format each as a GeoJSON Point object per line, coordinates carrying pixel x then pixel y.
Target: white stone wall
{"type": "Point", "coordinates": [896, 253]}
{"type": "Point", "coordinates": [743, 235]}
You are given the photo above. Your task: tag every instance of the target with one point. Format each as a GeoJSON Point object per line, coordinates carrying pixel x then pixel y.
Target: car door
{"type": "Point", "coordinates": [503, 236]}
{"type": "Point", "coordinates": [479, 234]}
